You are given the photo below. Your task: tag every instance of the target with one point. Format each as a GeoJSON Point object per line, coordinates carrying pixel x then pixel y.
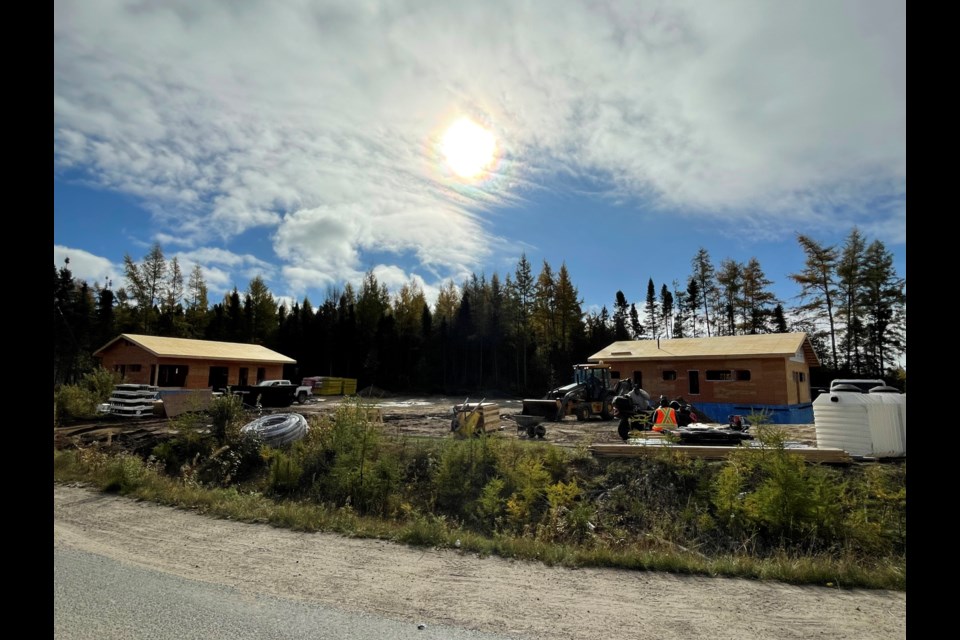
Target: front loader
{"type": "Point", "coordinates": [589, 395]}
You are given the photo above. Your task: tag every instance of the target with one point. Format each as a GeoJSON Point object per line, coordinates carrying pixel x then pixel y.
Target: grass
{"type": "Point", "coordinates": [131, 476]}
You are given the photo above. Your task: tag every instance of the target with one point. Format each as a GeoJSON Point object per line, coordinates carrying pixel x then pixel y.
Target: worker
{"type": "Point", "coordinates": [686, 416]}
{"type": "Point", "coordinates": [640, 398]}
{"type": "Point", "coordinates": [664, 416]}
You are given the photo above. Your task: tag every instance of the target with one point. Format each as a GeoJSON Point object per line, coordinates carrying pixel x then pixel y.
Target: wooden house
{"type": "Point", "coordinates": [190, 364]}
{"type": "Point", "coordinates": [727, 375]}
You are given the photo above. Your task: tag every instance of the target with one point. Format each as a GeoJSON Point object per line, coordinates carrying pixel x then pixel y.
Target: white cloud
{"type": "Point", "coordinates": [317, 123]}
{"type": "Point", "coordinates": [95, 270]}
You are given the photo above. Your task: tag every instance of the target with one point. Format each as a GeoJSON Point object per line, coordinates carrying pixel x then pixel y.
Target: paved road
{"type": "Point", "coordinates": [98, 598]}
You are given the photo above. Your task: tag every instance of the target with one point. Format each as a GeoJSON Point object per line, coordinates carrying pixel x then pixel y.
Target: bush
{"type": "Point", "coordinates": [73, 402]}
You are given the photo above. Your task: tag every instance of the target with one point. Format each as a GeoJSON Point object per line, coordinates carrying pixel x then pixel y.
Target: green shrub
{"type": "Point", "coordinates": [72, 402]}
{"type": "Point", "coordinates": [284, 474]}
{"type": "Point", "coordinates": [101, 382]}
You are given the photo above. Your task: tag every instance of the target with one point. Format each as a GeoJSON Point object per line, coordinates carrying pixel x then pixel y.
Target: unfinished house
{"type": "Point", "coordinates": [181, 363]}
{"type": "Point", "coordinates": [723, 376]}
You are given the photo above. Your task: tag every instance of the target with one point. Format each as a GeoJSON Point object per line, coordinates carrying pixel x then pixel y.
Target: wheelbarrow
{"type": "Point", "coordinates": [532, 425]}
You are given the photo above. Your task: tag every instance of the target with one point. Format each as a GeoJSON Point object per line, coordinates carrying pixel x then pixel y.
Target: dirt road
{"type": "Point", "coordinates": [431, 586]}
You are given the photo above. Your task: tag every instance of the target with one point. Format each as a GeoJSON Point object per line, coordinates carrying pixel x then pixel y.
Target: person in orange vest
{"type": "Point", "coordinates": [664, 416]}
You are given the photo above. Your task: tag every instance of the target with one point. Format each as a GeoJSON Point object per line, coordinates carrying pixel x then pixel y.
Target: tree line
{"type": "Point", "coordinates": [518, 334]}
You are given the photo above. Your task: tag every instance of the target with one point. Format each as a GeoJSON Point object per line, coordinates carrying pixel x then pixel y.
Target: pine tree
{"type": "Point", "coordinates": [757, 298]}
{"type": "Point", "coordinates": [652, 309]}
{"type": "Point", "coordinates": [621, 317]}
{"type": "Point", "coordinates": [818, 287]}
{"type": "Point", "coordinates": [705, 277]}
{"type": "Point", "coordinates": [666, 310]}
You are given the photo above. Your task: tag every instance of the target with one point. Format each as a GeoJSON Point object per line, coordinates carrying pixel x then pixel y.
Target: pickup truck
{"type": "Point", "coordinates": [301, 393]}
{"type": "Point", "coordinates": [272, 393]}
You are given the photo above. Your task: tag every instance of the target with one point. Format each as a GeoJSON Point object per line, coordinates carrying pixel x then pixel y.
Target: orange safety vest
{"type": "Point", "coordinates": [664, 417]}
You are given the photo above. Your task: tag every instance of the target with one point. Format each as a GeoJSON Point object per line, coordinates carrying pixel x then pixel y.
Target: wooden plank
{"type": "Point", "coordinates": [833, 456]}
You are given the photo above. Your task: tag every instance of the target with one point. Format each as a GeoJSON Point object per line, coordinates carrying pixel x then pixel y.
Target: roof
{"type": "Point", "coordinates": [201, 349]}
{"type": "Point", "coordinates": [767, 345]}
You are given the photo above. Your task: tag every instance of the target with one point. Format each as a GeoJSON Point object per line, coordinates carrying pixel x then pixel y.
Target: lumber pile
{"type": "Point", "coordinates": [474, 417]}
{"type": "Point", "coordinates": [659, 447]}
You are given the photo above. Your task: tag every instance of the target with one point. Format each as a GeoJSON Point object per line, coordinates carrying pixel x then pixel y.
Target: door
{"type": "Point", "coordinates": [694, 381]}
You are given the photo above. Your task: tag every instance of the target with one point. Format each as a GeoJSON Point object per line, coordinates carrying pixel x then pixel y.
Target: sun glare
{"type": "Point", "coordinates": [468, 148]}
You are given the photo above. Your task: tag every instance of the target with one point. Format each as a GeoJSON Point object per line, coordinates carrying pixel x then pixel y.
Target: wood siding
{"type": "Point", "coordinates": [125, 356]}
{"type": "Point", "coordinates": [771, 380]}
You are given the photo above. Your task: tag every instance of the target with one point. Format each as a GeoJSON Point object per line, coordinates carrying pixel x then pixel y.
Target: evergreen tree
{"type": "Point", "coordinates": [693, 298]}
{"type": "Point", "coordinates": [261, 312]}
{"type": "Point", "coordinates": [197, 304]}
{"type": "Point", "coordinates": [621, 317]}
{"type": "Point", "coordinates": [730, 282]}
{"type": "Point", "coordinates": [636, 329]}
{"type": "Point", "coordinates": [652, 309]}
{"type": "Point", "coordinates": [666, 310]}
{"type": "Point", "coordinates": [544, 314]}
{"type": "Point", "coordinates": [884, 301]}
{"type": "Point", "coordinates": [850, 296]}
{"type": "Point", "coordinates": [522, 296]}
{"type": "Point", "coordinates": [757, 298]}
{"type": "Point", "coordinates": [705, 276]}
{"type": "Point", "coordinates": [818, 288]}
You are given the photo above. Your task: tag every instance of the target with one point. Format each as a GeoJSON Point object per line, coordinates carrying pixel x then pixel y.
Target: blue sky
{"type": "Point", "coordinates": [305, 142]}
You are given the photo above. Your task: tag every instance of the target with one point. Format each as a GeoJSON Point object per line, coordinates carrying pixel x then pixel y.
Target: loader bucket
{"type": "Point", "coordinates": [546, 408]}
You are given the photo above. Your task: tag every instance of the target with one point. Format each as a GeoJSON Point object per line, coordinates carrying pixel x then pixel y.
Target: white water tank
{"type": "Point", "coordinates": [862, 424]}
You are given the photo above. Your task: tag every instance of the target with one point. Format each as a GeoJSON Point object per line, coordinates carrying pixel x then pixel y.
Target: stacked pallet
{"type": "Point", "coordinates": [473, 417]}
{"type": "Point", "coordinates": [349, 386]}
{"type": "Point", "coordinates": [331, 385]}
{"type": "Point", "coordinates": [135, 400]}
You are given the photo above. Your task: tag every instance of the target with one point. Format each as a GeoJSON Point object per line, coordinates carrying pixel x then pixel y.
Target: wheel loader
{"type": "Point", "coordinates": [589, 395]}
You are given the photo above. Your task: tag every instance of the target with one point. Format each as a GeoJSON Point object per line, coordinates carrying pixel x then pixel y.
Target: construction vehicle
{"type": "Point", "coordinates": [589, 395]}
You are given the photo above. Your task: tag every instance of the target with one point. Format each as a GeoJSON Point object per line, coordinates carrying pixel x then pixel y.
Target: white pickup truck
{"type": "Point", "coordinates": [301, 394]}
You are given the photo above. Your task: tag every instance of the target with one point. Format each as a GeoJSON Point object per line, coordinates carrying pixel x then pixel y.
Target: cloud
{"type": "Point", "coordinates": [95, 270]}
{"type": "Point", "coordinates": [318, 123]}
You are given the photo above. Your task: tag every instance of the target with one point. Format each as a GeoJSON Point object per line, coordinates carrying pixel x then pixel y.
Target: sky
{"type": "Point", "coordinates": [310, 142]}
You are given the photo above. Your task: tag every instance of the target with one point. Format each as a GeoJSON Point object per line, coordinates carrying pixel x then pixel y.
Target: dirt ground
{"type": "Point", "coordinates": [433, 586]}
{"type": "Point", "coordinates": [426, 416]}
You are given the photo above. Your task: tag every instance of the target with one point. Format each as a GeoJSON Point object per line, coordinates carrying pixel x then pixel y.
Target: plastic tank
{"type": "Point", "coordinates": [862, 424]}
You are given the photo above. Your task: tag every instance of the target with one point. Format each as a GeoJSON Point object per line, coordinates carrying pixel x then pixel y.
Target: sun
{"type": "Point", "coordinates": [468, 148]}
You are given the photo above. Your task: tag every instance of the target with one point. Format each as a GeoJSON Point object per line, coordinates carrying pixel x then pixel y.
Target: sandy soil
{"type": "Point", "coordinates": [427, 416]}
{"type": "Point", "coordinates": [431, 586]}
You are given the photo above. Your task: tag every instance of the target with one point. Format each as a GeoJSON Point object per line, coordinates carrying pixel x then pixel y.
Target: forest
{"type": "Point", "coordinates": [516, 334]}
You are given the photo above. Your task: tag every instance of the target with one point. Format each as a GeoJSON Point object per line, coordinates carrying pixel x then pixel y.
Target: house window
{"type": "Point", "coordinates": [261, 374]}
{"type": "Point", "coordinates": [172, 375]}
{"type": "Point", "coordinates": [727, 375]}
{"type": "Point", "coordinates": [243, 376]}
{"type": "Point", "coordinates": [719, 375]}
{"type": "Point", "coordinates": [669, 375]}
{"type": "Point", "coordinates": [218, 378]}
{"type": "Point", "coordinates": [134, 368]}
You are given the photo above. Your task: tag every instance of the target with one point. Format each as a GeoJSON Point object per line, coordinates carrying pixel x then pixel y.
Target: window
{"type": "Point", "coordinates": [133, 367]}
{"type": "Point", "coordinates": [172, 375]}
{"type": "Point", "coordinates": [217, 378]}
{"type": "Point", "coordinates": [719, 375]}
{"type": "Point", "coordinates": [669, 375]}
{"type": "Point", "coordinates": [261, 374]}
{"type": "Point", "coordinates": [728, 375]}
{"type": "Point", "coordinates": [243, 376]}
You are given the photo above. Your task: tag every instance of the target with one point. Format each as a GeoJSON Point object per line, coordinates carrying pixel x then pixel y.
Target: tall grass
{"type": "Point", "coordinates": [762, 514]}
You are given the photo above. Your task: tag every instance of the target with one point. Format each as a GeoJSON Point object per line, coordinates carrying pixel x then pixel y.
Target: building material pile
{"type": "Point", "coordinates": [471, 418]}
